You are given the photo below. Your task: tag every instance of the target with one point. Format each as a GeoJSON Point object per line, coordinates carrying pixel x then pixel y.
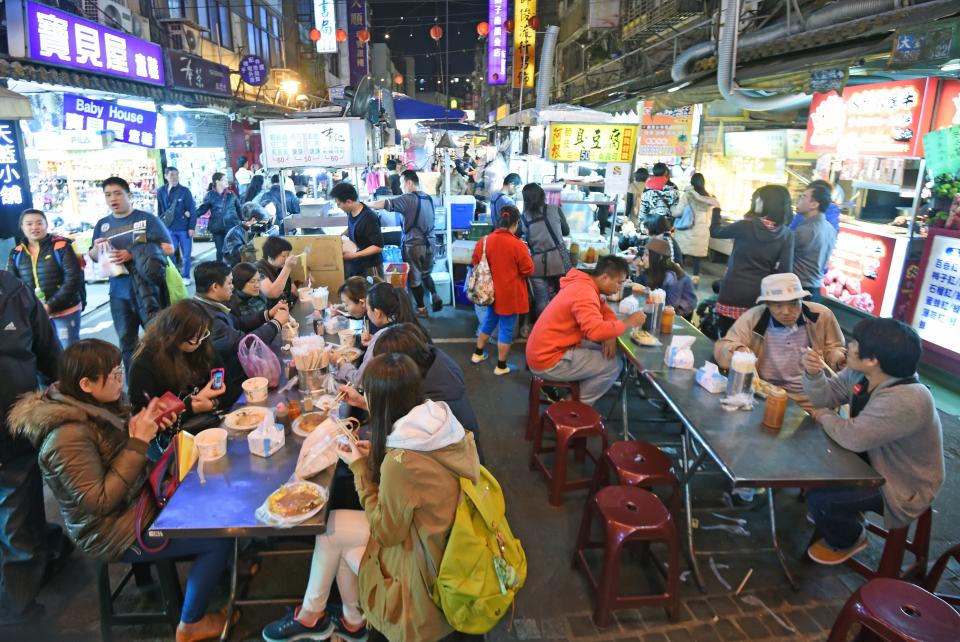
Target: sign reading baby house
{"type": "Point", "coordinates": [55, 37]}
{"type": "Point", "coordinates": [128, 125]}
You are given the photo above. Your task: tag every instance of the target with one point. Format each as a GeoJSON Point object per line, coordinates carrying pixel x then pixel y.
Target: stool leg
{"type": "Point", "coordinates": [892, 558]}
{"type": "Point", "coordinates": [673, 573]}
{"type": "Point", "coordinates": [601, 476]}
{"type": "Point", "coordinates": [579, 450]}
{"type": "Point", "coordinates": [609, 579]}
{"type": "Point", "coordinates": [533, 409]}
{"type": "Point", "coordinates": [846, 619]}
{"type": "Point", "coordinates": [106, 603]}
{"type": "Point", "coordinates": [583, 535]}
{"type": "Point", "coordinates": [537, 442]}
{"type": "Point", "coordinates": [559, 467]}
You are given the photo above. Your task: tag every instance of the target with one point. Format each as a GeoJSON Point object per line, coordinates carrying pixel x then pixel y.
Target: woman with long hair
{"type": "Point", "coordinates": [254, 189]}
{"type": "Point", "coordinates": [407, 476]}
{"type": "Point", "coordinates": [662, 272]}
{"type": "Point", "coordinates": [544, 227]}
{"type": "Point", "coordinates": [694, 240]}
{"type": "Point", "coordinates": [93, 455]}
{"type": "Point", "coordinates": [224, 208]}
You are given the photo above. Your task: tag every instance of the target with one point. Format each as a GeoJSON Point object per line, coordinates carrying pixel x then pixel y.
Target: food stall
{"type": "Point", "coordinates": [935, 311]}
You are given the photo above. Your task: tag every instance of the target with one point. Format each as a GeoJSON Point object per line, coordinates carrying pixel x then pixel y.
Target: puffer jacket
{"type": "Point", "coordinates": [224, 211]}
{"type": "Point", "coordinates": [148, 274]}
{"type": "Point", "coordinates": [93, 468]}
{"type": "Point", "coordinates": [62, 285]}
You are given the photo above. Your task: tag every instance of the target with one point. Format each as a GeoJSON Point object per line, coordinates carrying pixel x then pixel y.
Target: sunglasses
{"type": "Point", "coordinates": [198, 340]}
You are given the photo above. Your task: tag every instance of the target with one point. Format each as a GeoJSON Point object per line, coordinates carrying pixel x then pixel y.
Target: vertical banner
{"type": "Point", "coordinates": [325, 19]}
{"type": "Point", "coordinates": [15, 193]}
{"type": "Point", "coordinates": [524, 43]}
{"type": "Point", "coordinates": [497, 43]}
{"type": "Point", "coordinates": [356, 22]}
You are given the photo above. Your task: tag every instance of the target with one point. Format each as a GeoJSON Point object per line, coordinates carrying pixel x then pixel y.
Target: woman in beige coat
{"type": "Point", "coordinates": [695, 240]}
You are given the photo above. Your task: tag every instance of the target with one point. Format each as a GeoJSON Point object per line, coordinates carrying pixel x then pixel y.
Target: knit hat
{"type": "Point", "coordinates": [779, 288]}
{"type": "Point", "coordinates": [659, 246]}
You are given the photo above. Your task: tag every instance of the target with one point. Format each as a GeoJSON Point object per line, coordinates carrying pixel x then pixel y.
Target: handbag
{"type": "Point", "coordinates": [162, 482]}
{"type": "Point", "coordinates": [480, 282]}
{"type": "Point", "coordinates": [686, 220]}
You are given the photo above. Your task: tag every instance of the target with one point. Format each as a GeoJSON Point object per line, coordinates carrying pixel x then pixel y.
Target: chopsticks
{"type": "Point", "coordinates": [344, 427]}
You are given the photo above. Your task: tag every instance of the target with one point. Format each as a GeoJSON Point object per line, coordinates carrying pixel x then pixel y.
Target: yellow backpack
{"type": "Point", "coordinates": [483, 565]}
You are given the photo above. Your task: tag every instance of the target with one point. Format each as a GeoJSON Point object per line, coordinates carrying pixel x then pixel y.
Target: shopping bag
{"type": "Point", "coordinates": [258, 360]}
{"type": "Point", "coordinates": [175, 285]}
{"type": "Point", "coordinates": [480, 282]}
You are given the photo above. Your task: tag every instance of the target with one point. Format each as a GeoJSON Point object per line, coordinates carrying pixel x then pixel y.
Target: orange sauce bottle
{"type": "Point", "coordinates": [666, 320]}
{"type": "Point", "coordinates": [775, 408]}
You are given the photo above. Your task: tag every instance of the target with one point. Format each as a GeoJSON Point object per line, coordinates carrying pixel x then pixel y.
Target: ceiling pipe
{"type": "Point", "coordinates": [546, 66]}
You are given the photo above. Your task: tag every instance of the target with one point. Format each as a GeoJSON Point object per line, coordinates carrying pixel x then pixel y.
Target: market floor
{"type": "Point", "coordinates": [556, 603]}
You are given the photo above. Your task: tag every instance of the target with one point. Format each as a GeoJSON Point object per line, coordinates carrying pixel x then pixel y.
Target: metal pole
{"type": "Point", "coordinates": [449, 228]}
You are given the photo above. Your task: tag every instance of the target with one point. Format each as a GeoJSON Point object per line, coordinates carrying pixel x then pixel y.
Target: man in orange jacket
{"type": "Point", "coordinates": [575, 339]}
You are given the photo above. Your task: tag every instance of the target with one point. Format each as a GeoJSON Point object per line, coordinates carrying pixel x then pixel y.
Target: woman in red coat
{"type": "Point", "coordinates": [510, 265]}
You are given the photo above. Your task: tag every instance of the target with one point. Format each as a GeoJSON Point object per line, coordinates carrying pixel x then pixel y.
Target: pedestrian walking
{"type": "Point", "coordinates": [178, 211]}
{"type": "Point", "coordinates": [544, 227]}
{"type": "Point", "coordinates": [224, 208]}
{"type": "Point", "coordinates": [693, 226]}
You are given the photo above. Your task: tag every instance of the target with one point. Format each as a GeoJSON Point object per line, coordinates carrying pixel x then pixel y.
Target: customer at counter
{"type": "Point", "coordinates": [815, 239]}
{"type": "Point", "coordinates": [893, 424]}
{"type": "Point", "coordinates": [832, 213]}
{"type": "Point", "coordinates": [779, 331]}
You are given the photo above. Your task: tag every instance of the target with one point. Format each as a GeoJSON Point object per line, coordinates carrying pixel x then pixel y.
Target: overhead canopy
{"type": "Point", "coordinates": [449, 125]}
{"type": "Point", "coordinates": [13, 106]}
{"type": "Point", "coordinates": [406, 108]}
{"type": "Point", "coordinates": [559, 113]}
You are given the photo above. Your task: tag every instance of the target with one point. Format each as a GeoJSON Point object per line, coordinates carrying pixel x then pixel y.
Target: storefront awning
{"type": "Point", "coordinates": [406, 108]}
{"type": "Point", "coordinates": [13, 106]}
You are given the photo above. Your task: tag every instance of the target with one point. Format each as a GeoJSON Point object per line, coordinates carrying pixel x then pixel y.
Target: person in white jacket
{"type": "Point", "coordinates": [694, 240]}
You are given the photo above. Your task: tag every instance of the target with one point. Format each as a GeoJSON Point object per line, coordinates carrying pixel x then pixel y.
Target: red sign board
{"type": "Point", "coordinates": [859, 269]}
{"type": "Point", "coordinates": [936, 302]}
{"type": "Point", "coordinates": [884, 119]}
{"type": "Point", "coordinates": [948, 109]}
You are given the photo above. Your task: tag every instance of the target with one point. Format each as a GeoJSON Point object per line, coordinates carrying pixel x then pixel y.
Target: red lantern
{"type": "Point", "coordinates": [483, 29]}
{"type": "Point", "coordinates": [508, 25]}
{"type": "Point", "coordinates": [534, 23]}
{"type": "Point", "coordinates": [436, 32]}
{"type": "Point", "coordinates": [341, 35]}
{"type": "Point", "coordinates": [363, 36]}
{"type": "Point", "coordinates": [314, 34]}
{"type": "Point", "coordinates": [398, 79]}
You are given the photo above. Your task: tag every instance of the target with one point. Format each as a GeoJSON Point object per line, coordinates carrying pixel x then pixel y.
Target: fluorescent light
{"type": "Point", "coordinates": [678, 87]}
{"type": "Point", "coordinates": [953, 65]}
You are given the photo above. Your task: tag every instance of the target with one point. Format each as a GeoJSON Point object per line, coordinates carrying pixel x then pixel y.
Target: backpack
{"type": "Point", "coordinates": [686, 220]}
{"type": "Point", "coordinates": [483, 565]}
{"type": "Point", "coordinates": [480, 282]}
{"type": "Point", "coordinates": [169, 215]}
{"type": "Point", "coordinates": [59, 247]}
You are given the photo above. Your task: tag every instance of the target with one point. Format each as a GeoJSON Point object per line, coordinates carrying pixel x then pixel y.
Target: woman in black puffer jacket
{"type": "Point", "coordinates": [224, 208]}
{"type": "Point", "coordinates": [49, 267]}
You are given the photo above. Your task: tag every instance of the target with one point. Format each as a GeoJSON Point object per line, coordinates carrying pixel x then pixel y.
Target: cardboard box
{"type": "Point", "coordinates": [323, 263]}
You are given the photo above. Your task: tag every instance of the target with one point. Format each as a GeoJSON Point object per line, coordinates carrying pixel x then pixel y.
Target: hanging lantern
{"type": "Point", "coordinates": [398, 80]}
{"type": "Point", "coordinates": [363, 36]}
{"type": "Point", "coordinates": [483, 29]}
{"type": "Point", "coordinates": [436, 32]}
{"type": "Point", "coordinates": [314, 34]}
{"type": "Point", "coordinates": [341, 35]}
{"type": "Point", "coordinates": [508, 25]}
{"type": "Point", "coordinates": [534, 23]}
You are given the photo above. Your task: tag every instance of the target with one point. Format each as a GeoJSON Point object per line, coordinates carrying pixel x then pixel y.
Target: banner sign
{"type": "Point", "coordinates": [325, 19]}
{"type": "Point", "coordinates": [863, 271]}
{"type": "Point", "coordinates": [196, 74]}
{"type": "Point", "coordinates": [666, 133]}
{"type": "Point", "coordinates": [15, 193]}
{"type": "Point", "coordinates": [128, 125]}
{"type": "Point", "coordinates": [943, 151]}
{"type": "Point", "coordinates": [253, 70]}
{"type": "Point", "coordinates": [497, 40]}
{"type": "Point", "coordinates": [289, 144]}
{"type": "Point", "coordinates": [948, 109]}
{"type": "Point", "coordinates": [356, 22]}
{"type": "Point", "coordinates": [63, 39]}
{"type": "Point", "coordinates": [597, 143]}
{"type": "Point", "coordinates": [883, 119]}
{"type": "Point", "coordinates": [524, 43]}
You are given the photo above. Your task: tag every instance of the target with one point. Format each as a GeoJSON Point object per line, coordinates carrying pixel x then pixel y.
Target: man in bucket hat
{"type": "Point", "coordinates": [779, 331]}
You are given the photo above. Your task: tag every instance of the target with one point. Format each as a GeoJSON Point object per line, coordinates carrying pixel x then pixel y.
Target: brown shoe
{"type": "Point", "coordinates": [208, 627]}
{"type": "Point", "coordinates": [422, 313]}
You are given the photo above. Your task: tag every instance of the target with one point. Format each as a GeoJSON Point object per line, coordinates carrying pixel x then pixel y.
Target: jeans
{"type": "Point", "coordinates": [218, 242]}
{"type": "Point", "coordinates": [544, 289]}
{"type": "Point", "coordinates": [587, 365]}
{"type": "Point", "coordinates": [836, 512]}
{"type": "Point", "coordinates": [67, 329]}
{"type": "Point", "coordinates": [210, 559]}
{"type": "Point", "coordinates": [23, 525]}
{"type": "Point", "coordinates": [184, 242]}
{"type": "Point", "coordinates": [337, 553]}
{"type": "Point", "coordinates": [481, 312]}
{"type": "Point", "coordinates": [506, 322]}
{"type": "Point", "coordinates": [696, 264]}
{"type": "Point", "coordinates": [126, 321]}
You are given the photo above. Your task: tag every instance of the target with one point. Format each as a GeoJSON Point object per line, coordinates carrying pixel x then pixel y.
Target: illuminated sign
{"type": "Point", "coordinates": [128, 125]}
{"type": "Point", "coordinates": [15, 193]}
{"type": "Point", "coordinates": [325, 19]}
{"type": "Point", "coordinates": [497, 41]}
{"type": "Point", "coordinates": [524, 43]}
{"type": "Point", "coordinates": [597, 143]}
{"type": "Point", "coordinates": [665, 133]}
{"type": "Point", "coordinates": [356, 22]}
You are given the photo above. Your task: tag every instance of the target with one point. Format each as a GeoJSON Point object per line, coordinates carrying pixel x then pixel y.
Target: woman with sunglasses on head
{"type": "Point", "coordinates": [93, 455]}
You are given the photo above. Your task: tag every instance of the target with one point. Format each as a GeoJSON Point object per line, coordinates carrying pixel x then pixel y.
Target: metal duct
{"type": "Point", "coordinates": [546, 66]}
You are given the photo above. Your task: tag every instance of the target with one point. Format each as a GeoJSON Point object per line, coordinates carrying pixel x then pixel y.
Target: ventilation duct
{"type": "Point", "coordinates": [546, 67]}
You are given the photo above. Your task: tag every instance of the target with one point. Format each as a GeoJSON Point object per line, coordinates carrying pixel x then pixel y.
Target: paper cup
{"type": "Point", "coordinates": [347, 338]}
{"type": "Point", "coordinates": [256, 389]}
{"type": "Point", "coordinates": [305, 294]}
{"type": "Point", "coordinates": [211, 443]}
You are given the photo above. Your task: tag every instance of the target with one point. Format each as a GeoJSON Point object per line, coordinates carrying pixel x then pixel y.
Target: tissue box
{"type": "Point", "coordinates": [711, 379]}
{"type": "Point", "coordinates": [266, 440]}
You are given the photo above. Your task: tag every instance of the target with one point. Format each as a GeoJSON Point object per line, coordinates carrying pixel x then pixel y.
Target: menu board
{"type": "Point", "coordinates": [864, 270]}
{"type": "Point", "coordinates": [314, 143]}
{"type": "Point", "coordinates": [597, 143]}
{"type": "Point", "coordinates": [665, 133]}
{"type": "Point", "coordinates": [943, 150]}
{"type": "Point", "coordinates": [936, 316]}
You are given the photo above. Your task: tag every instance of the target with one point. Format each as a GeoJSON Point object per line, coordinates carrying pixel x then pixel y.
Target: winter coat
{"type": "Point", "coordinates": [758, 251]}
{"type": "Point", "coordinates": [411, 512]}
{"type": "Point", "coordinates": [695, 241]}
{"type": "Point", "coordinates": [185, 212]}
{"type": "Point", "coordinates": [29, 350]}
{"type": "Point", "coordinates": [681, 293]}
{"type": "Point", "coordinates": [147, 381]}
{"type": "Point", "coordinates": [148, 280]}
{"type": "Point", "coordinates": [832, 215]}
{"type": "Point", "coordinates": [243, 304]}
{"type": "Point", "coordinates": [544, 235]}
{"type": "Point", "coordinates": [62, 281]}
{"type": "Point", "coordinates": [510, 265]}
{"type": "Point", "coordinates": [658, 200]}
{"type": "Point", "coordinates": [815, 240]}
{"type": "Point", "coordinates": [444, 382]}
{"type": "Point", "coordinates": [272, 196]}
{"type": "Point", "coordinates": [224, 211]}
{"type": "Point", "coordinates": [228, 330]}
{"type": "Point", "coordinates": [578, 312]}
{"type": "Point", "coordinates": [91, 466]}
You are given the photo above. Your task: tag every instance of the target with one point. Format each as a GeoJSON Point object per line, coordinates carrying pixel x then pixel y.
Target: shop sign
{"type": "Point", "coordinates": [665, 133]}
{"type": "Point", "coordinates": [597, 143]}
{"type": "Point", "coordinates": [337, 92]}
{"type": "Point", "coordinates": [290, 144]}
{"type": "Point", "coordinates": [253, 70]}
{"type": "Point", "coordinates": [943, 150]}
{"type": "Point", "coordinates": [524, 43]}
{"type": "Point", "coordinates": [14, 179]}
{"type": "Point", "coordinates": [63, 39]}
{"type": "Point", "coordinates": [948, 109]}
{"type": "Point", "coordinates": [502, 111]}
{"type": "Point", "coordinates": [883, 119]}
{"type": "Point", "coordinates": [859, 269]}
{"type": "Point", "coordinates": [128, 125]}
{"type": "Point", "coordinates": [617, 178]}
{"type": "Point", "coordinates": [325, 19]}
{"type": "Point", "coordinates": [936, 316]}
{"type": "Point", "coordinates": [357, 21]}
{"type": "Point", "coordinates": [497, 42]}
{"type": "Point", "coordinates": [196, 74]}
{"type": "Point", "coordinates": [73, 141]}
{"type": "Point", "coordinates": [182, 140]}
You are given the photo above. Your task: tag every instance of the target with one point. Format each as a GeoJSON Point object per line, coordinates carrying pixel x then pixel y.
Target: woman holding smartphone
{"type": "Point", "coordinates": [93, 455]}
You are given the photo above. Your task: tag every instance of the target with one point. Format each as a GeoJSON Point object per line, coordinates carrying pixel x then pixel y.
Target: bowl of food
{"type": "Point", "coordinates": [211, 443]}
{"type": "Point", "coordinates": [296, 502]}
{"type": "Point", "coordinates": [347, 353]}
{"type": "Point", "coordinates": [246, 418]}
{"type": "Point", "coordinates": [308, 422]}
{"type": "Point", "coordinates": [256, 389]}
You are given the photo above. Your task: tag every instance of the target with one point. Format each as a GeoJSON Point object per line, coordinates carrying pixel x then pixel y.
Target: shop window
{"type": "Point", "coordinates": [176, 9]}
{"type": "Point", "coordinates": [226, 27]}
{"type": "Point", "coordinates": [203, 19]}
{"type": "Point", "coordinates": [253, 41]}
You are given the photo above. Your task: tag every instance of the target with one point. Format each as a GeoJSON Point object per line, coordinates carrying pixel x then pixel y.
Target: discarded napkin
{"type": "Point", "coordinates": [680, 353]}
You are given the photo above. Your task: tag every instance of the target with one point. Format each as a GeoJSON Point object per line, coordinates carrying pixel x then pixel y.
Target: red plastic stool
{"type": "Point", "coordinates": [891, 561]}
{"type": "Point", "coordinates": [573, 423]}
{"type": "Point", "coordinates": [628, 515]}
{"type": "Point", "coordinates": [897, 612]}
{"type": "Point", "coordinates": [640, 464]}
{"type": "Point", "coordinates": [533, 407]}
{"type": "Point", "coordinates": [936, 572]}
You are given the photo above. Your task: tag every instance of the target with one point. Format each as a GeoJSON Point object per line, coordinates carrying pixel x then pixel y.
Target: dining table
{"type": "Point", "coordinates": [749, 454]}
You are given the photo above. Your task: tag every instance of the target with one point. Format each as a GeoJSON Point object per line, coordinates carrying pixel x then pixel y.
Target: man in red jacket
{"type": "Point", "coordinates": [575, 339]}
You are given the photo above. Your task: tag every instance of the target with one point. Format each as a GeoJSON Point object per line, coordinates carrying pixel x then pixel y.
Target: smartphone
{"type": "Point", "coordinates": [170, 406]}
{"type": "Point", "coordinates": [216, 375]}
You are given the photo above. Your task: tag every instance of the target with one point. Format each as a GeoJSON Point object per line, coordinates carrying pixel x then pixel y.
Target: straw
{"type": "Point", "coordinates": [744, 581]}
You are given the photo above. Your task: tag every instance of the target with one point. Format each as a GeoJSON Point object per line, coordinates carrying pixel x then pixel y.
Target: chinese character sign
{"type": "Point", "coordinates": [524, 43]}
{"type": "Point", "coordinates": [14, 180]}
{"type": "Point", "coordinates": [253, 70]}
{"type": "Point", "coordinates": [356, 22]}
{"type": "Point", "coordinates": [128, 125]}
{"type": "Point", "coordinates": [63, 39]}
{"type": "Point", "coordinates": [198, 75]}
{"type": "Point", "coordinates": [325, 19]}
{"type": "Point", "coordinates": [665, 133]}
{"type": "Point", "coordinates": [497, 40]}
{"type": "Point", "coordinates": [289, 144]}
{"type": "Point", "coordinates": [937, 313]}
{"type": "Point", "coordinates": [596, 143]}
{"type": "Point", "coordinates": [859, 270]}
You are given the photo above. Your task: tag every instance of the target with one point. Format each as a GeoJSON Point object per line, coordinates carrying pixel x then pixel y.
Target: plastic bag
{"type": "Point", "coordinates": [680, 353]}
{"type": "Point", "coordinates": [258, 360]}
{"type": "Point", "coordinates": [319, 450]}
{"type": "Point", "coordinates": [107, 267]}
{"type": "Point", "coordinates": [629, 305]}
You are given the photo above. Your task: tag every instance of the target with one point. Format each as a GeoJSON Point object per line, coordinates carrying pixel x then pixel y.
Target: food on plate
{"type": "Point", "coordinates": [308, 422]}
{"type": "Point", "coordinates": [347, 353]}
{"type": "Point", "coordinates": [245, 418]}
{"type": "Point", "coordinates": [643, 337]}
{"type": "Point", "coordinates": [763, 388]}
{"type": "Point", "coordinates": [292, 500]}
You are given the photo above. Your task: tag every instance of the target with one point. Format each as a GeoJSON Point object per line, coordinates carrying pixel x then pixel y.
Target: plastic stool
{"type": "Point", "coordinates": [640, 464]}
{"type": "Point", "coordinates": [171, 598]}
{"type": "Point", "coordinates": [897, 611]}
{"type": "Point", "coordinates": [628, 514]}
{"type": "Point", "coordinates": [896, 545]}
{"type": "Point", "coordinates": [572, 421]}
{"type": "Point", "coordinates": [936, 572]}
{"type": "Point", "coordinates": [533, 408]}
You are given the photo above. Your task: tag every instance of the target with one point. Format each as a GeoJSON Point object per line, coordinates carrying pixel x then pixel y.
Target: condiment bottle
{"type": "Point", "coordinates": [775, 408]}
{"type": "Point", "coordinates": [293, 409]}
{"type": "Point", "coordinates": [282, 416]}
{"type": "Point", "coordinates": [666, 320]}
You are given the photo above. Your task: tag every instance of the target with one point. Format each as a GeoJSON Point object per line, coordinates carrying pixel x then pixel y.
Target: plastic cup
{"type": "Point", "coordinates": [347, 338]}
{"type": "Point", "coordinates": [256, 389]}
{"type": "Point", "coordinates": [211, 443]}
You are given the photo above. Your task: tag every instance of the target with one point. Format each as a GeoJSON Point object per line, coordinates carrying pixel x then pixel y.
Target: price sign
{"type": "Point", "coordinates": [596, 143]}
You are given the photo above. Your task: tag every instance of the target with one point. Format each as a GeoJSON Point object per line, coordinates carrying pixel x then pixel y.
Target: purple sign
{"type": "Point", "coordinates": [199, 75]}
{"type": "Point", "coordinates": [128, 125]}
{"type": "Point", "coordinates": [63, 39]}
{"type": "Point", "coordinates": [356, 22]}
{"type": "Point", "coordinates": [253, 70]}
{"type": "Point", "coordinates": [497, 44]}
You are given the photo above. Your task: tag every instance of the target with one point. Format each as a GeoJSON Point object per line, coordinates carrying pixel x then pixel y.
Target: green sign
{"type": "Point", "coordinates": [942, 148]}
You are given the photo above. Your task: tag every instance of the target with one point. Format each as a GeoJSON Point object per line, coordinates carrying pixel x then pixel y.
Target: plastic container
{"type": "Point", "coordinates": [442, 281]}
{"type": "Point", "coordinates": [347, 338]}
{"type": "Point", "coordinates": [256, 389]}
{"type": "Point", "coordinates": [775, 408]}
{"type": "Point", "coordinates": [211, 443]}
{"type": "Point", "coordinates": [310, 382]}
{"type": "Point", "coordinates": [392, 254]}
{"type": "Point", "coordinates": [321, 296]}
{"type": "Point", "coordinates": [460, 293]}
{"type": "Point", "coordinates": [740, 378]}
{"type": "Point", "coordinates": [666, 320]}
{"type": "Point", "coordinates": [462, 208]}
{"type": "Point", "coordinates": [396, 274]}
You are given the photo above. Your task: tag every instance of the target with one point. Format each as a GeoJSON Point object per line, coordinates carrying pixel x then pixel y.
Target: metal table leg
{"type": "Point", "coordinates": [776, 542]}
{"type": "Point", "coordinates": [233, 592]}
{"type": "Point", "coordinates": [625, 380]}
{"type": "Point", "coordinates": [688, 471]}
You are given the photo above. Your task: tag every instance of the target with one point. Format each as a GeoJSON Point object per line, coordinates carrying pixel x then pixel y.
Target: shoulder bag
{"type": "Point", "coordinates": [480, 282]}
{"type": "Point", "coordinates": [162, 481]}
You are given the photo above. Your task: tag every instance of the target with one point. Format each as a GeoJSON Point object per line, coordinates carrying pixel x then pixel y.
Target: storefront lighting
{"type": "Point", "coordinates": [290, 87]}
{"type": "Point", "coordinates": [678, 87]}
{"type": "Point", "coordinates": [953, 65]}
{"type": "Point", "coordinates": [179, 126]}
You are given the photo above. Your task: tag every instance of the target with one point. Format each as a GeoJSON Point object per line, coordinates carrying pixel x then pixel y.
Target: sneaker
{"type": "Point", "coordinates": [422, 313]}
{"type": "Point", "coordinates": [288, 628]}
{"type": "Point", "coordinates": [342, 632]}
{"type": "Point", "coordinates": [437, 303]}
{"type": "Point", "coordinates": [478, 358]}
{"type": "Point", "coordinates": [822, 553]}
{"type": "Point", "coordinates": [502, 371]}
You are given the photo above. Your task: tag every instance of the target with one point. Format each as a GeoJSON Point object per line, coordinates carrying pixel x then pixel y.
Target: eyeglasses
{"type": "Point", "coordinates": [198, 340]}
{"type": "Point", "coordinates": [117, 373]}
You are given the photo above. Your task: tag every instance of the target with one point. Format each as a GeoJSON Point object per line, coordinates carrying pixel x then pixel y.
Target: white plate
{"type": "Point", "coordinates": [295, 426]}
{"type": "Point", "coordinates": [230, 421]}
{"type": "Point", "coordinates": [304, 517]}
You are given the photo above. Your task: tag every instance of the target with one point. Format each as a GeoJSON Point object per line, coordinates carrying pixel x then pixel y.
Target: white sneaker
{"type": "Point", "coordinates": [477, 358]}
{"type": "Point", "coordinates": [502, 371]}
